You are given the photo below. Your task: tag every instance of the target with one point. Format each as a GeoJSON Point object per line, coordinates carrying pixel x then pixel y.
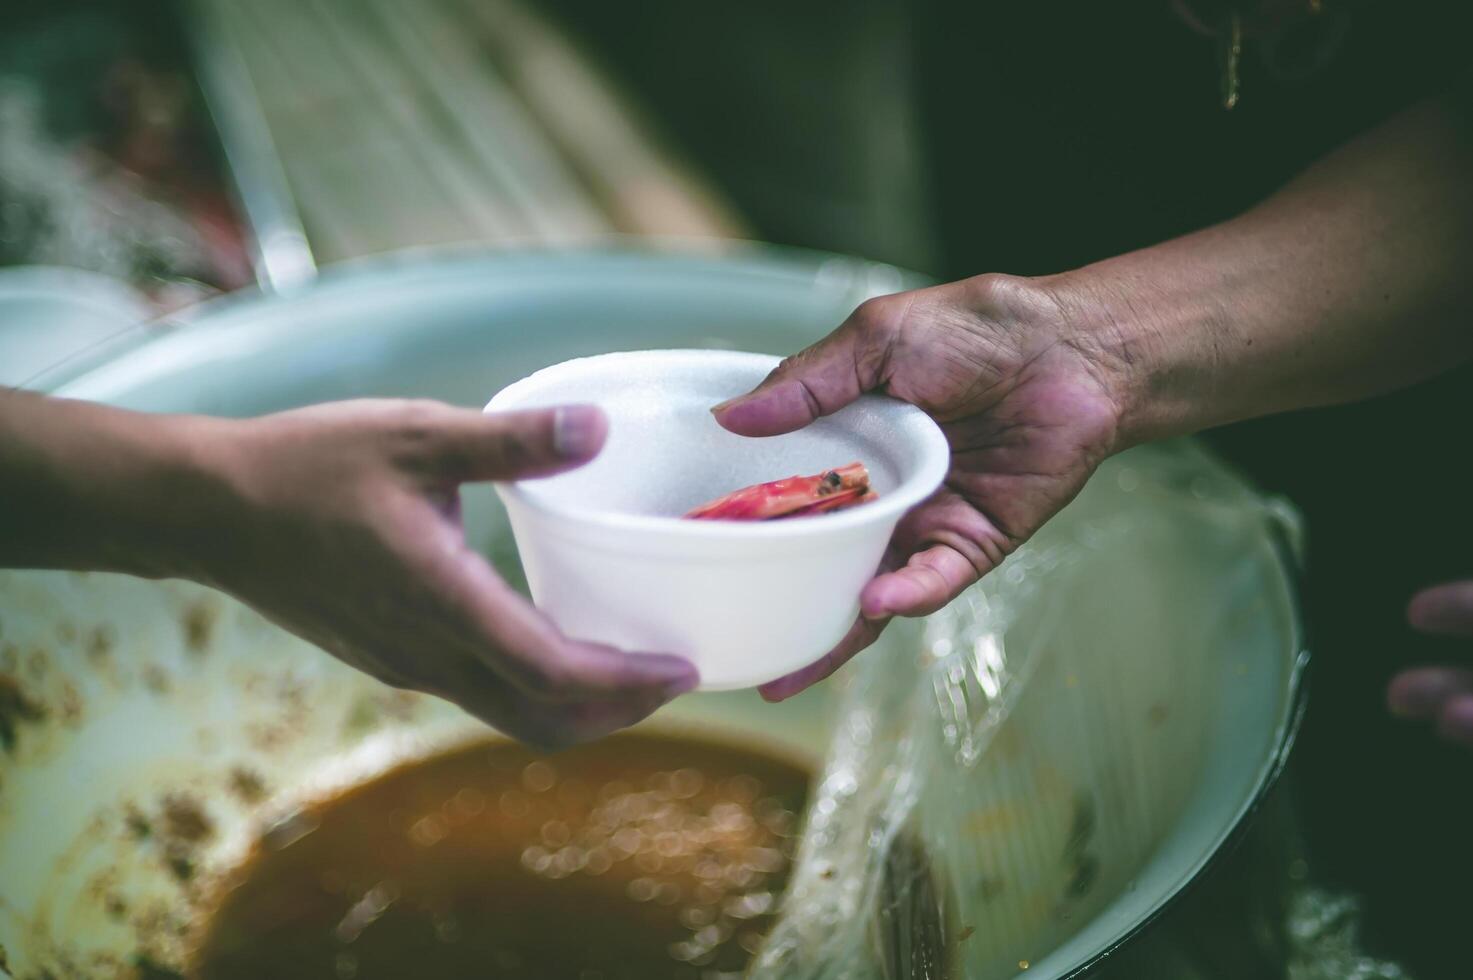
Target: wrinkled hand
{"type": "Point", "coordinates": [342, 524]}
{"type": "Point", "coordinates": [1027, 403]}
{"type": "Point", "coordinates": [1443, 694]}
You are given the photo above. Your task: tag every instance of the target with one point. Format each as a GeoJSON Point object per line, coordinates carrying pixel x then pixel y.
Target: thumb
{"type": "Point", "coordinates": [469, 446]}
{"type": "Point", "coordinates": [824, 378]}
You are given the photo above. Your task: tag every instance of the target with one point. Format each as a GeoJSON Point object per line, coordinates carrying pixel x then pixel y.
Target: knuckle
{"type": "Point", "coordinates": [998, 291]}
{"type": "Point", "coordinates": [417, 419]}
{"type": "Point", "coordinates": [417, 435]}
{"type": "Point", "coordinates": [878, 325]}
{"type": "Point", "coordinates": [990, 286]}
{"type": "Point", "coordinates": [879, 316]}
{"type": "Point", "coordinates": [514, 450]}
{"type": "Point", "coordinates": [453, 465]}
{"type": "Point", "coordinates": [788, 366]}
{"type": "Point", "coordinates": [408, 429]}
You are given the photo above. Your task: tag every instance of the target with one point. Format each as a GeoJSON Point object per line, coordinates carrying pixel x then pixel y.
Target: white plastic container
{"type": "Point", "coordinates": [610, 560]}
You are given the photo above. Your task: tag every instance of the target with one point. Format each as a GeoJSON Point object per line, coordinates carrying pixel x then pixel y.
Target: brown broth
{"type": "Point", "coordinates": [635, 858]}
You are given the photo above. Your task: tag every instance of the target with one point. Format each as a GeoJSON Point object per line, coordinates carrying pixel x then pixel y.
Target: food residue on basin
{"type": "Point", "coordinates": [638, 857]}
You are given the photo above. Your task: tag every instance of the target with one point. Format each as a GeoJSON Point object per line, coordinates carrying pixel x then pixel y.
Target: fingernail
{"type": "Point", "coordinates": [718, 409]}
{"type": "Point", "coordinates": [577, 431]}
{"type": "Point", "coordinates": [785, 687]}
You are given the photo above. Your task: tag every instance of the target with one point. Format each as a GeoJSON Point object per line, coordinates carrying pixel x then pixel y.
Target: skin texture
{"type": "Point", "coordinates": [1349, 282]}
{"type": "Point", "coordinates": [1029, 416]}
{"type": "Point", "coordinates": [341, 523]}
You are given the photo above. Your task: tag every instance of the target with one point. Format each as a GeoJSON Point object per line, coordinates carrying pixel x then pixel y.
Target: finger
{"type": "Point", "coordinates": [553, 727]}
{"type": "Point", "coordinates": [822, 379]}
{"type": "Point", "coordinates": [1422, 692]}
{"type": "Point", "coordinates": [938, 551]}
{"type": "Point", "coordinates": [1446, 609]}
{"type": "Point", "coordinates": [531, 653]}
{"type": "Point", "coordinates": [589, 670]}
{"type": "Point", "coordinates": [863, 633]}
{"type": "Point", "coordinates": [929, 580]}
{"type": "Point", "coordinates": [464, 446]}
{"type": "Point", "coordinates": [1455, 721]}
{"type": "Point", "coordinates": [589, 720]}
{"type": "Point", "coordinates": [490, 623]}
{"type": "Point", "coordinates": [522, 645]}
{"type": "Point", "coordinates": [486, 693]}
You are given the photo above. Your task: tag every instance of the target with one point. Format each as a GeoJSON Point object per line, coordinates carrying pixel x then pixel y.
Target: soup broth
{"type": "Point", "coordinates": [635, 858]}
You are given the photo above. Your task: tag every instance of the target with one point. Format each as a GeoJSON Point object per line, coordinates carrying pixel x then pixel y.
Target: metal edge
{"type": "Point", "coordinates": [613, 245]}
{"type": "Point", "coordinates": [750, 255]}
{"type": "Point", "coordinates": [283, 257]}
{"type": "Point", "coordinates": [1298, 703]}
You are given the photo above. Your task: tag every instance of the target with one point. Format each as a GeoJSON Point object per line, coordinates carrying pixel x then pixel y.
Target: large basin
{"type": "Point", "coordinates": [121, 698]}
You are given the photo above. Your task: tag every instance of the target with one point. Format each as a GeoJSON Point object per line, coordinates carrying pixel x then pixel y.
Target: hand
{"type": "Point", "coordinates": [1026, 400]}
{"type": "Point", "coordinates": [1441, 693]}
{"type": "Point", "coordinates": [342, 524]}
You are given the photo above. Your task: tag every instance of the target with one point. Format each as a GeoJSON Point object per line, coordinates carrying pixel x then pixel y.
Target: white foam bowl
{"type": "Point", "coordinates": [610, 560]}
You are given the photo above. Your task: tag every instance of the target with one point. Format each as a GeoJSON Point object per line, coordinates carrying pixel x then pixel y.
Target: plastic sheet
{"type": "Point", "coordinates": [988, 797]}
{"type": "Point", "coordinates": [1324, 939]}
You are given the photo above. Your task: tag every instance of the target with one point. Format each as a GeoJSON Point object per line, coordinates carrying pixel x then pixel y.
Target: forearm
{"type": "Point", "coordinates": [87, 487]}
{"type": "Point", "coordinates": [1355, 279]}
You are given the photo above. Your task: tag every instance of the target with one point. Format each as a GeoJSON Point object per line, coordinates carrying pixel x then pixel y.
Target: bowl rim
{"type": "Point", "coordinates": [935, 463]}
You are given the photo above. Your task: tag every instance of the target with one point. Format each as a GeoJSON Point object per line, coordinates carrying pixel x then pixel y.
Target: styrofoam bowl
{"type": "Point", "coordinates": [609, 558]}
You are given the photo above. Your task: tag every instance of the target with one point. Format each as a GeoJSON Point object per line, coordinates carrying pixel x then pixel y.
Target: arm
{"type": "Point", "coordinates": [1351, 281]}
{"type": "Point", "coordinates": [92, 488]}
{"type": "Point", "coordinates": [339, 522]}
